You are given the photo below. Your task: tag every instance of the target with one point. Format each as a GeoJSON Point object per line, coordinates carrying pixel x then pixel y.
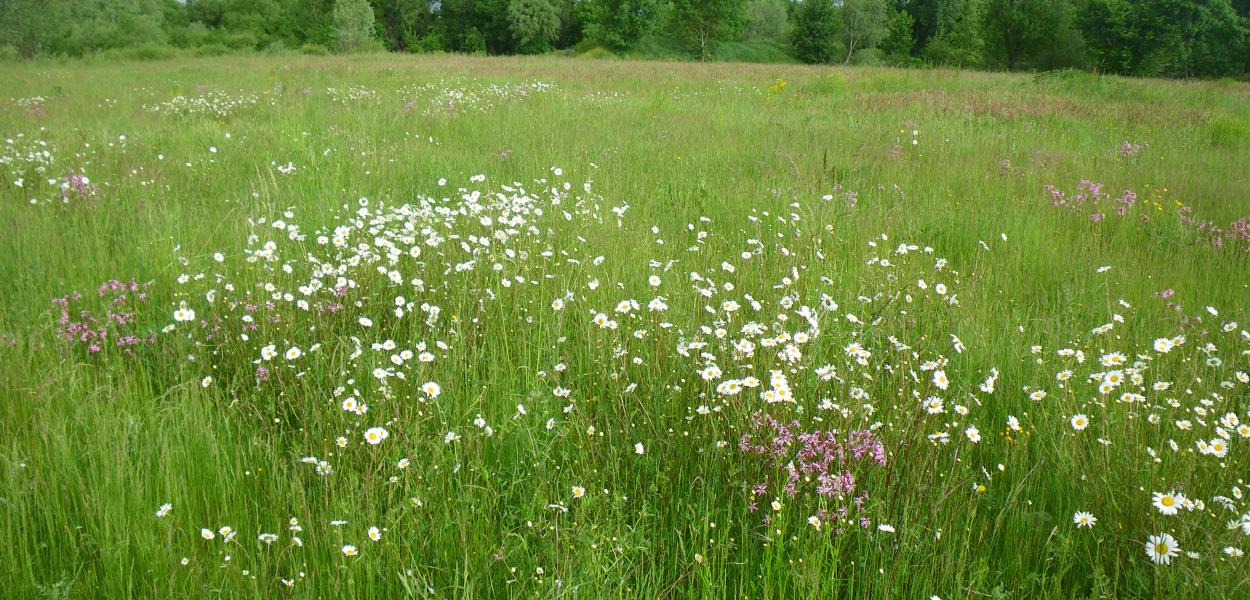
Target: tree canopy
{"type": "Point", "coordinates": [1168, 38]}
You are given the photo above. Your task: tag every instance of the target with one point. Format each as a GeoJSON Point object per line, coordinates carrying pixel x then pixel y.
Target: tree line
{"type": "Point", "coordinates": [1169, 38]}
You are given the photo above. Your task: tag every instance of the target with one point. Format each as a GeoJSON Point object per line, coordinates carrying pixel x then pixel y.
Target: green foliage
{"type": "Point", "coordinates": [755, 51]}
{"type": "Point", "coordinates": [1066, 48]}
{"type": "Point", "coordinates": [597, 52]}
{"type": "Point", "coordinates": [430, 42]}
{"type": "Point", "coordinates": [353, 26]}
{"type": "Point", "coordinates": [190, 35]}
{"type": "Point", "coordinates": [472, 42]}
{"type": "Point", "coordinates": [1167, 38]}
{"type": "Point", "coordinates": [407, 25]}
{"type": "Point", "coordinates": [767, 20]}
{"type": "Point", "coordinates": [476, 26]}
{"type": "Point", "coordinates": [958, 41]}
{"type": "Point", "coordinates": [1019, 32]}
{"type": "Point", "coordinates": [534, 24]}
{"type": "Point", "coordinates": [1176, 38]}
{"type": "Point", "coordinates": [816, 32]}
{"type": "Point", "coordinates": [24, 27]}
{"type": "Point", "coordinates": [118, 30]}
{"type": "Point", "coordinates": [864, 25]}
{"type": "Point", "coordinates": [76, 28]}
{"type": "Point", "coordinates": [139, 53]}
{"type": "Point", "coordinates": [314, 50]}
{"type": "Point", "coordinates": [214, 50]}
{"type": "Point", "coordinates": [924, 14]}
{"type": "Point", "coordinates": [1192, 37]}
{"type": "Point", "coordinates": [897, 45]}
{"type": "Point", "coordinates": [619, 24]}
{"type": "Point", "coordinates": [277, 48]}
{"type": "Point", "coordinates": [1115, 47]}
{"type": "Point", "coordinates": [703, 23]}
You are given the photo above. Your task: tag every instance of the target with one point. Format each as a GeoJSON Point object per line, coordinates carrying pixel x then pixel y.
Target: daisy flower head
{"type": "Point", "coordinates": [1168, 503]}
{"type": "Point", "coordinates": [1217, 447]}
{"type": "Point", "coordinates": [375, 435]}
{"type": "Point", "coordinates": [940, 380]}
{"type": "Point", "coordinates": [1162, 548]}
{"type": "Point", "coordinates": [1112, 359]}
{"type": "Point", "coordinates": [1084, 519]}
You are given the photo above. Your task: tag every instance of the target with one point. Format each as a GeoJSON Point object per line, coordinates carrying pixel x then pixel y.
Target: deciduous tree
{"type": "Point", "coordinates": [815, 35]}
{"type": "Point", "coordinates": [701, 23]}
{"type": "Point", "coordinates": [353, 25]}
{"type": "Point", "coordinates": [863, 25]}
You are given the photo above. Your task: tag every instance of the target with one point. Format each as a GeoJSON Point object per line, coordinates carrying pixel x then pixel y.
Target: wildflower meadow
{"type": "Point", "coordinates": [467, 327]}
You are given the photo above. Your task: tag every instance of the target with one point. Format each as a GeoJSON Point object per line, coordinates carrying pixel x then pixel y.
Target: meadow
{"type": "Point", "coordinates": [465, 327]}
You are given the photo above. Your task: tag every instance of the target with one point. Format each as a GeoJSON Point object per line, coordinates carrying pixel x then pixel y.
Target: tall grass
{"type": "Point", "coordinates": [94, 442]}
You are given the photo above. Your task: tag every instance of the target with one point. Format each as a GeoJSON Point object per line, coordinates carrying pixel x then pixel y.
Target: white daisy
{"type": "Point", "coordinates": [1084, 519]}
{"type": "Point", "coordinates": [1162, 548]}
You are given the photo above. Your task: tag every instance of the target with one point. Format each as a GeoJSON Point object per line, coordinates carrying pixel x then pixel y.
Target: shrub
{"type": "Point", "coordinates": [314, 50]}
{"type": "Point", "coordinates": [150, 52]}
{"type": "Point", "coordinates": [598, 52]}
{"type": "Point", "coordinates": [212, 50]}
{"type": "Point", "coordinates": [353, 26]}
{"type": "Point", "coordinates": [277, 48]}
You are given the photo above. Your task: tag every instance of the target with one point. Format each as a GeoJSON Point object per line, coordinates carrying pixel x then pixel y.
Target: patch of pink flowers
{"type": "Point", "coordinates": [1090, 198]}
{"type": "Point", "coordinates": [76, 186]}
{"type": "Point", "coordinates": [815, 465]}
{"type": "Point", "coordinates": [109, 320]}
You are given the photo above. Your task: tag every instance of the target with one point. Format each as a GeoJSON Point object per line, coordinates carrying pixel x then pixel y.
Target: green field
{"type": "Point", "coordinates": [693, 330]}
